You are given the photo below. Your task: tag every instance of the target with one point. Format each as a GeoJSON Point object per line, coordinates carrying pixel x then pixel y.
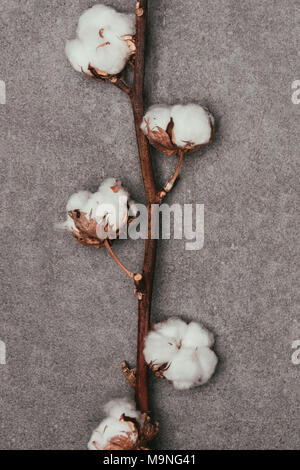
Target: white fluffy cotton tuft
{"type": "Point", "coordinates": [116, 408]}
{"type": "Point", "coordinates": [99, 40]}
{"type": "Point", "coordinates": [192, 124]}
{"type": "Point", "coordinates": [181, 353]}
{"type": "Point", "coordinates": [109, 203]}
{"type": "Point", "coordinates": [114, 427]}
{"type": "Point", "coordinates": [156, 116]}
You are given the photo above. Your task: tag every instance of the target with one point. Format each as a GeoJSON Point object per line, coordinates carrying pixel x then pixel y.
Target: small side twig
{"type": "Point", "coordinates": [169, 185]}
{"type": "Point", "coordinates": [121, 84]}
{"type": "Point", "coordinates": [115, 80]}
{"type": "Point", "coordinates": [129, 273]}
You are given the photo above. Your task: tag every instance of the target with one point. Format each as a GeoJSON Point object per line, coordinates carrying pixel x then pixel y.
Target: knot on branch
{"type": "Point", "coordinates": [140, 287]}
{"type": "Point", "coordinates": [139, 11]}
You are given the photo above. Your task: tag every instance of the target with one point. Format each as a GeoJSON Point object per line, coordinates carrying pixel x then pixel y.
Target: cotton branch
{"type": "Point", "coordinates": [137, 100]}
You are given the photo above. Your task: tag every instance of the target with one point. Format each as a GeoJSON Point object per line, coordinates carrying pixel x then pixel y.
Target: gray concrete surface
{"type": "Point", "coordinates": [68, 315]}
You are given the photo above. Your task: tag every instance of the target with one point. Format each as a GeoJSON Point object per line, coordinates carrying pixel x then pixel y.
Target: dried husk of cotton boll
{"type": "Point", "coordinates": [124, 428]}
{"type": "Point", "coordinates": [179, 128]}
{"type": "Point", "coordinates": [104, 44]}
{"type": "Point", "coordinates": [96, 217]}
{"type": "Point", "coordinates": [181, 353]}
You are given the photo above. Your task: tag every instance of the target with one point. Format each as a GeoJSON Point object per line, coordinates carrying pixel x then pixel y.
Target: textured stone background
{"type": "Point", "coordinates": [68, 315]}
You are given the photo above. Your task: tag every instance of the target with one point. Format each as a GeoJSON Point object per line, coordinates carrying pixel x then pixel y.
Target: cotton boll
{"type": "Point", "coordinates": [95, 217]}
{"type": "Point", "coordinates": [159, 349]}
{"type": "Point", "coordinates": [181, 353]}
{"type": "Point", "coordinates": [196, 336]}
{"type": "Point", "coordinates": [114, 426]}
{"type": "Point", "coordinates": [192, 125]}
{"type": "Point", "coordinates": [103, 41]}
{"type": "Point", "coordinates": [179, 128]}
{"type": "Point", "coordinates": [156, 116]}
{"type": "Point", "coordinates": [124, 428]}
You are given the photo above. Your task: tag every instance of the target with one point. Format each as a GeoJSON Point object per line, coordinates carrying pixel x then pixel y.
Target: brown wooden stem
{"type": "Point", "coordinates": [137, 100]}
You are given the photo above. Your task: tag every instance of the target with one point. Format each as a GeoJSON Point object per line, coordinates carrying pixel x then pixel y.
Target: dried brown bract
{"type": "Point", "coordinates": [88, 230]}
{"type": "Point", "coordinates": [139, 436]}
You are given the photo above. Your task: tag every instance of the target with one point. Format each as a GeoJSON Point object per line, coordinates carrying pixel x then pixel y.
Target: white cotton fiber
{"type": "Point", "coordinates": [192, 123]}
{"type": "Point", "coordinates": [99, 40]}
{"type": "Point", "coordinates": [113, 203]}
{"type": "Point", "coordinates": [159, 349]}
{"type": "Point", "coordinates": [196, 336]}
{"type": "Point", "coordinates": [116, 408]}
{"type": "Point", "coordinates": [173, 328]}
{"type": "Point", "coordinates": [106, 18]}
{"type": "Point", "coordinates": [76, 53]}
{"type": "Point", "coordinates": [181, 352]}
{"type": "Point", "coordinates": [156, 116]}
{"type": "Point", "coordinates": [109, 203]}
{"type": "Point", "coordinates": [208, 362]}
{"type": "Point", "coordinates": [184, 370]}
{"type": "Point", "coordinates": [113, 426]}
{"type": "Point", "coordinates": [78, 200]}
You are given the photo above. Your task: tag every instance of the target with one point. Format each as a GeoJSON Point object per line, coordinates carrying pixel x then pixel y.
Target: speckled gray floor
{"type": "Point", "coordinates": [68, 315]}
